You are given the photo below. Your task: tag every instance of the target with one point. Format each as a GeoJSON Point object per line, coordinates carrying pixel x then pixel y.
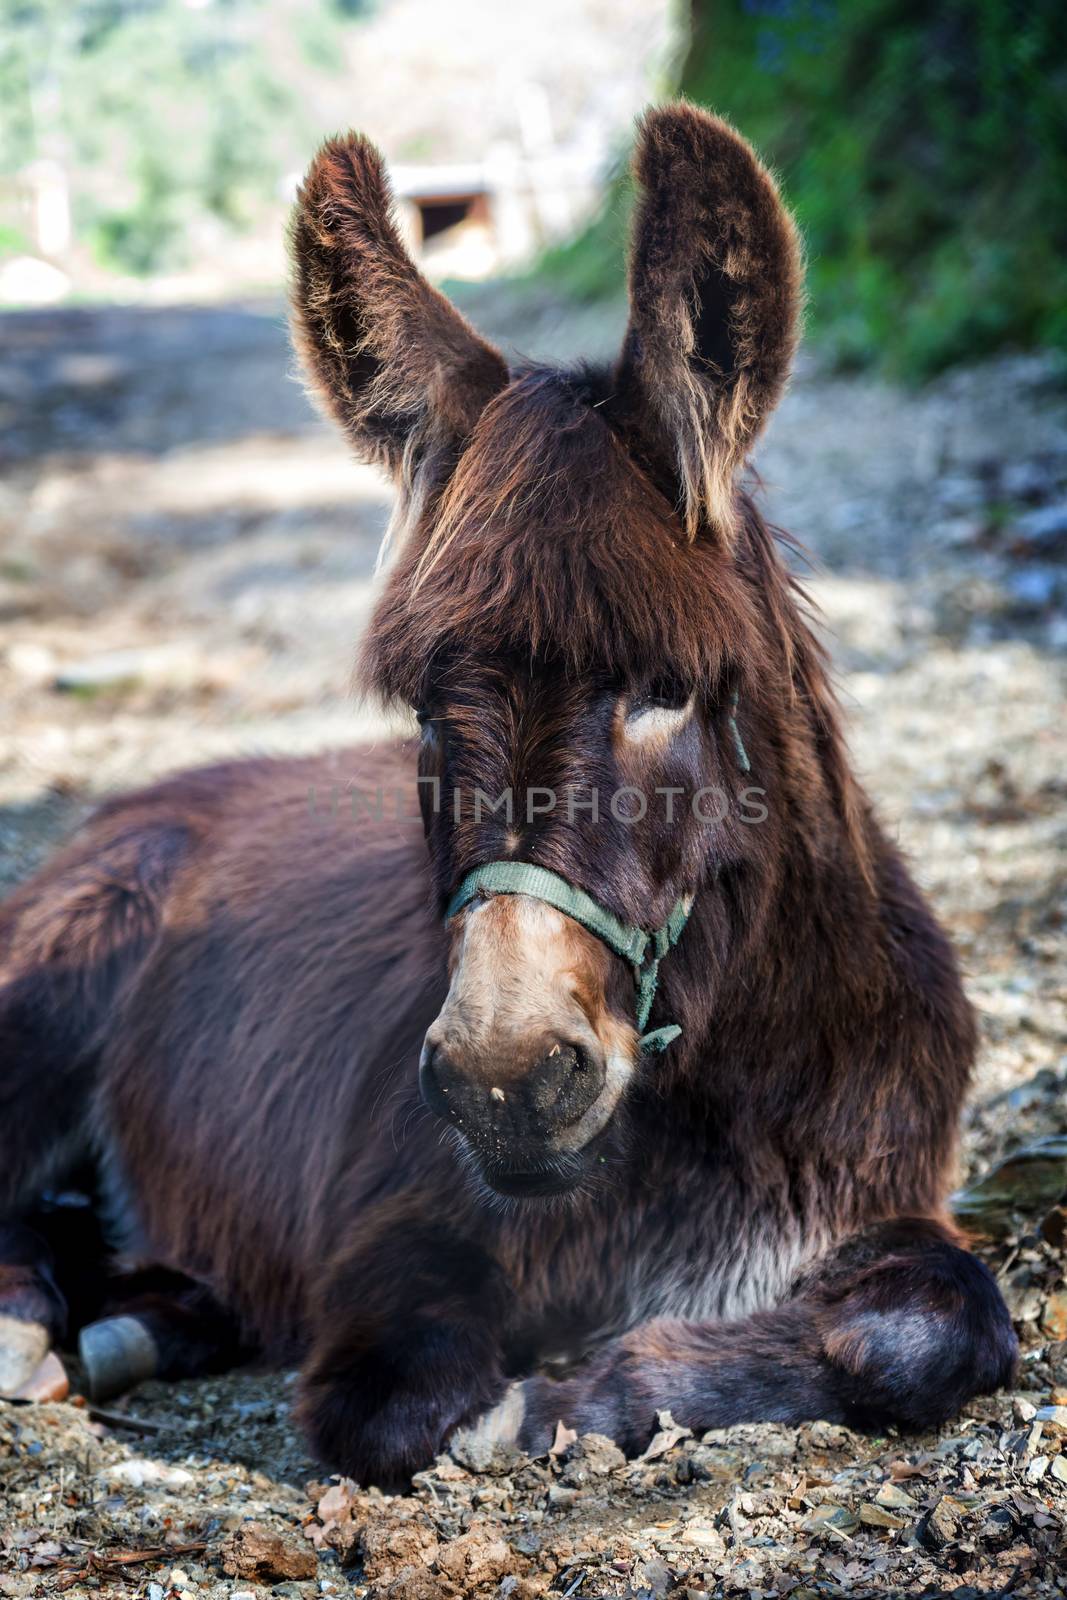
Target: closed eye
{"type": "Point", "coordinates": [661, 694]}
{"type": "Point", "coordinates": [658, 711]}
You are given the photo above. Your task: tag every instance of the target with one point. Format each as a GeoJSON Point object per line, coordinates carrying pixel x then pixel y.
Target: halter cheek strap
{"type": "Point", "coordinates": [642, 949]}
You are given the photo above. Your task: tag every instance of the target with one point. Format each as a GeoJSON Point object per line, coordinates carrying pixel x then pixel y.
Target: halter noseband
{"type": "Point", "coordinates": [643, 950]}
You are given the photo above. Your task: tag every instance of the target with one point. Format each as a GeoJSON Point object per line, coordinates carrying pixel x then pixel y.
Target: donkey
{"type": "Point", "coordinates": [696, 1067]}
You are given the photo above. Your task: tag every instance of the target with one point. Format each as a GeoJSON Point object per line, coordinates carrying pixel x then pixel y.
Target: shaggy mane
{"type": "Point", "coordinates": [549, 541]}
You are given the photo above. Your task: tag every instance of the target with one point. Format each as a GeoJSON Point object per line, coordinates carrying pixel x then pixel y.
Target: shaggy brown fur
{"type": "Point", "coordinates": [715, 292]}
{"type": "Point", "coordinates": [390, 359]}
{"type": "Point", "coordinates": [219, 992]}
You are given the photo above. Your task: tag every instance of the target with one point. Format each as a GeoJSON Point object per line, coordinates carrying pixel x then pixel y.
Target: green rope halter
{"type": "Point", "coordinates": [643, 950]}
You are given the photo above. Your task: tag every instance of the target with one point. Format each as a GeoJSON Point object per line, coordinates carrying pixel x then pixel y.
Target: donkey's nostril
{"type": "Point", "coordinates": [440, 1084]}
{"type": "Point", "coordinates": [563, 1086]}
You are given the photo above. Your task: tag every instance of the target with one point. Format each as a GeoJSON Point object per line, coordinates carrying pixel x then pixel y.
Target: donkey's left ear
{"type": "Point", "coordinates": [389, 357]}
{"type": "Point", "coordinates": [715, 295]}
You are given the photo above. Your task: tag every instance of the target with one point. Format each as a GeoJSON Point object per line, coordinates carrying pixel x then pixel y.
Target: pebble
{"type": "Point", "coordinates": [878, 1516]}
{"type": "Point", "coordinates": [137, 1474]}
{"type": "Point", "coordinates": [943, 1524]}
{"type": "Point", "coordinates": [1053, 1420]}
{"type": "Point", "coordinates": [896, 1498]}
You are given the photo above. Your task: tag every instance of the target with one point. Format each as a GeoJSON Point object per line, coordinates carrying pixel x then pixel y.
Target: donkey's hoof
{"type": "Point", "coordinates": [23, 1346]}
{"type": "Point", "coordinates": [49, 1382]}
{"type": "Point", "coordinates": [116, 1353]}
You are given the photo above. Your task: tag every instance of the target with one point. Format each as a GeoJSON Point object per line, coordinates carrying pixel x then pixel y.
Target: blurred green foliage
{"type": "Point", "coordinates": [161, 111]}
{"type": "Point", "coordinates": [923, 148]}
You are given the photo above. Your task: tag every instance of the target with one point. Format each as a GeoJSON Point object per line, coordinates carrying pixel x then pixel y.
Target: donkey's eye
{"type": "Point", "coordinates": [422, 715]}
{"type": "Point", "coordinates": [658, 711]}
{"type": "Point", "coordinates": [662, 694]}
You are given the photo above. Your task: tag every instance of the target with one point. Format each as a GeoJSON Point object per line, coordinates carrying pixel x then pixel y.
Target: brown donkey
{"type": "Point", "coordinates": [640, 818]}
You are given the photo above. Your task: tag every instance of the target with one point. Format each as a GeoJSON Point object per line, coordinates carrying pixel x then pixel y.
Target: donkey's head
{"type": "Point", "coordinates": [574, 615]}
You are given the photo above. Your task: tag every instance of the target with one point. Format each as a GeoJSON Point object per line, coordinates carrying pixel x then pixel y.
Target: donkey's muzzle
{"type": "Point", "coordinates": [530, 1108]}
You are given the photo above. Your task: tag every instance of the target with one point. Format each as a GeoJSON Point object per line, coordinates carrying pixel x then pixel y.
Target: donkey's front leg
{"type": "Point", "coordinates": [899, 1325]}
{"type": "Point", "coordinates": [405, 1347]}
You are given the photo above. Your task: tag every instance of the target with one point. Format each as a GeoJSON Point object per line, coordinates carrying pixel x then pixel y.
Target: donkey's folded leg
{"type": "Point", "coordinates": [900, 1325]}
{"type": "Point", "coordinates": [405, 1349]}
{"type": "Point", "coordinates": [158, 1324]}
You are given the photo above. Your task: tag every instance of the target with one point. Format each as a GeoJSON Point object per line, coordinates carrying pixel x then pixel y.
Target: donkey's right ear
{"type": "Point", "coordinates": [715, 294]}
{"type": "Point", "coordinates": [388, 356]}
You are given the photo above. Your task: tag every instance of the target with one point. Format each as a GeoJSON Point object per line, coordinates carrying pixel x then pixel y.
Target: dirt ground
{"type": "Point", "coordinates": [186, 558]}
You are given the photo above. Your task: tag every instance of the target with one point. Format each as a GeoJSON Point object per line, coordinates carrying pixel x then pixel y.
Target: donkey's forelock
{"type": "Point", "coordinates": [551, 542]}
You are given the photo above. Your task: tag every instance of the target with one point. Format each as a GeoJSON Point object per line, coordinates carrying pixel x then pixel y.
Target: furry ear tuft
{"type": "Point", "coordinates": [715, 296]}
{"type": "Point", "coordinates": [389, 357]}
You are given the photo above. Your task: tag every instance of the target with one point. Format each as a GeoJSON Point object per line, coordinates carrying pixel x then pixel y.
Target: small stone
{"type": "Point", "coordinates": [558, 1496]}
{"type": "Point", "coordinates": [1054, 1316]}
{"type": "Point", "coordinates": [1023, 1410]}
{"type": "Point", "coordinates": [475, 1559]}
{"type": "Point", "coordinates": [255, 1551]}
{"type": "Point", "coordinates": [415, 1583]}
{"type": "Point", "coordinates": [1025, 1185]}
{"type": "Point", "coordinates": [896, 1498]}
{"type": "Point", "coordinates": [388, 1546]}
{"type": "Point", "coordinates": [484, 1456]}
{"type": "Point", "coordinates": [876, 1516]}
{"type": "Point", "coordinates": [943, 1524]}
{"type": "Point", "coordinates": [1056, 1356]}
{"type": "Point", "coordinates": [591, 1456]}
{"type": "Point", "coordinates": [1058, 1469]}
{"type": "Point", "coordinates": [840, 1518]}
{"type": "Point", "coordinates": [656, 1577]}
{"type": "Point", "coordinates": [1032, 1438]}
{"type": "Point", "coordinates": [137, 1473]}
{"type": "Point", "coordinates": [1053, 1420]}
{"type": "Point", "coordinates": [706, 1537]}
{"type": "Point", "coordinates": [156, 1592]}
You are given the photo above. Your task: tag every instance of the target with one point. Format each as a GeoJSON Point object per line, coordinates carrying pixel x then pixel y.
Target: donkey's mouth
{"type": "Point", "coordinates": [556, 1174]}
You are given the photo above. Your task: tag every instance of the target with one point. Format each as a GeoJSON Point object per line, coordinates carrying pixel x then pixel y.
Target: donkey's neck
{"type": "Point", "coordinates": [788, 935]}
